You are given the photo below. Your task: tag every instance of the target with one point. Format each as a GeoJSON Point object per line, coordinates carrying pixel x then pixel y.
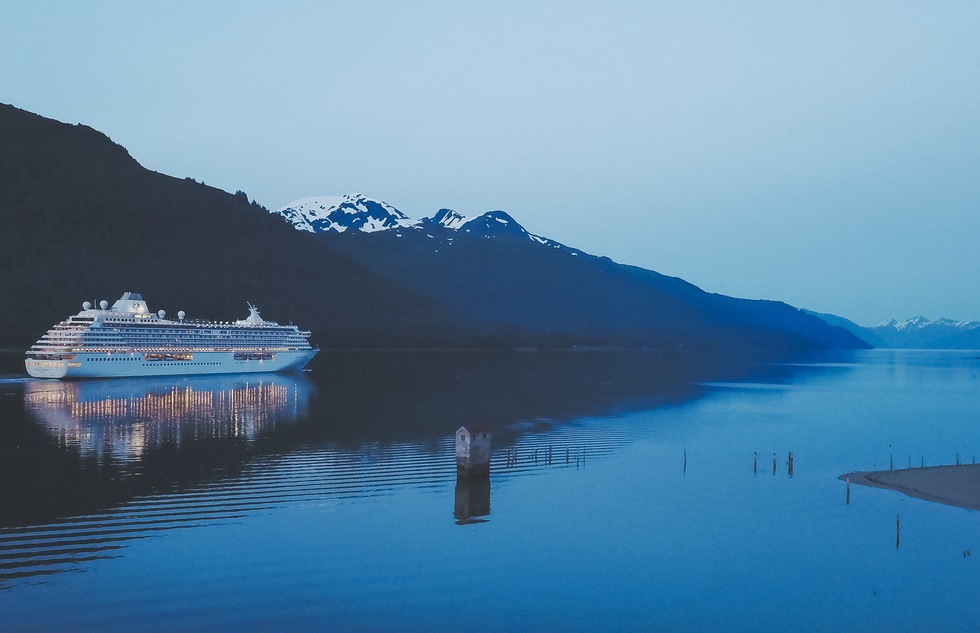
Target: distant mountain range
{"type": "Point", "coordinates": [82, 220]}
{"type": "Point", "coordinates": [915, 333]}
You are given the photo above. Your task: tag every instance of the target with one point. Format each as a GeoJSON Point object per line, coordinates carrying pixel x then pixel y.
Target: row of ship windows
{"type": "Point", "coordinates": [153, 357]}
{"type": "Point", "coordinates": [134, 331]}
{"type": "Point", "coordinates": [171, 342]}
{"type": "Point", "coordinates": [157, 330]}
{"type": "Point", "coordinates": [280, 332]}
{"type": "Point", "coordinates": [154, 364]}
{"type": "Point", "coordinates": [196, 337]}
{"type": "Point", "coordinates": [226, 341]}
{"type": "Point", "coordinates": [183, 357]}
{"type": "Point", "coordinates": [183, 365]}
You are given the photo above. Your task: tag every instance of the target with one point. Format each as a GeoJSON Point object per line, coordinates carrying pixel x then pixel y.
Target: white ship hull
{"type": "Point", "coordinates": [139, 364]}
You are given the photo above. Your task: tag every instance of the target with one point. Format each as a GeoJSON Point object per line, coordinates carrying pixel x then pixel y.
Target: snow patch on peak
{"type": "Point", "coordinates": [965, 325]}
{"type": "Point", "coordinates": [919, 321]}
{"type": "Point", "coordinates": [450, 219]}
{"type": "Point", "coordinates": [494, 224]}
{"type": "Point", "coordinates": [914, 322]}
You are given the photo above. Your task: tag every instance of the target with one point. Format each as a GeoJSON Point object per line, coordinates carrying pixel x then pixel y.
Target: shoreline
{"type": "Point", "coordinates": [950, 485]}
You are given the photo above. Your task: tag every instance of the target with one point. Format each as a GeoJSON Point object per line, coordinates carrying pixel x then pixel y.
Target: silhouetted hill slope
{"type": "Point", "coordinates": [80, 219]}
{"type": "Point", "coordinates": [492, 267]}
{"type": "Point", "coordinates": [571, 297]}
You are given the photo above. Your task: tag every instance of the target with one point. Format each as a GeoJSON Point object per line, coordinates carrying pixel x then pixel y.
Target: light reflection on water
{"type": "Point", "coordinates": [311, 509]}
{"type": "Point", "coordinates": [123, 418]}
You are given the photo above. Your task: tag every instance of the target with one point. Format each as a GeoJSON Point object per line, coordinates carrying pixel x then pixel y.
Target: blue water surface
{"type": "Point", "coordinates": [330, 501]}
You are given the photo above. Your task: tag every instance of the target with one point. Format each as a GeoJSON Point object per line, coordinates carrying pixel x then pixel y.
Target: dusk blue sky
{"type": "Point", "coordinates": [823, 154]}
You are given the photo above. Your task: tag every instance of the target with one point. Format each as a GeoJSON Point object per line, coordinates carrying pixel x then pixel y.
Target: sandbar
{"type": "Point", "coordinates": [952, 485]}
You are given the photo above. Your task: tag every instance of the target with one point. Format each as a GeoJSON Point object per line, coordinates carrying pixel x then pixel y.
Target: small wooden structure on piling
{"type": "Point", "coordinates": [472, 499]}
{"type": "Point", "coordinates": [473, 449]}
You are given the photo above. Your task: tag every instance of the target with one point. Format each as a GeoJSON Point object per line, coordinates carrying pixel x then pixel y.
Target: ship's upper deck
{"type": "Point", "coordinates": [129, 325]}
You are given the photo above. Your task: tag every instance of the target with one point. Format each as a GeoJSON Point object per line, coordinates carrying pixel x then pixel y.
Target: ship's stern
{"type": "Point", "coordinates": [46, 368]}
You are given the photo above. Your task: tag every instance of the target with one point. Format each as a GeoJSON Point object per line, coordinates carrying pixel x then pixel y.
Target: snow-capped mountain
{"type": "Point", "coordinates": [359, 213]}
{"type": "Point", "coordinates": [339, 214]}
{"type": "Point", "coordinates": [920, 332]}
{"type": "Point", "coordinates": [915, 333]}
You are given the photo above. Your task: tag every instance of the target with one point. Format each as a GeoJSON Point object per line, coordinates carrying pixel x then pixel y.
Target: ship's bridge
{"type": "Point", "coordinates": [130, 302]}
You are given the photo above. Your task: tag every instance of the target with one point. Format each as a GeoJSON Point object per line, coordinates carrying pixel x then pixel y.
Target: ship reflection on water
{"type": "Point", "coordinates": [120, 420]}
{"type": "Point", "coordinates": [102, 463]}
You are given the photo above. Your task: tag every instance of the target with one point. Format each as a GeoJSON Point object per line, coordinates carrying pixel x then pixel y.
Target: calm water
{"type": "Point", "coordinates": [623, 496]}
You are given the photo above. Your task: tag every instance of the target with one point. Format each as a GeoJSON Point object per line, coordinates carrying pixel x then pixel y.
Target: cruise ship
{"type": "Point", "coordinates": [129, 340]}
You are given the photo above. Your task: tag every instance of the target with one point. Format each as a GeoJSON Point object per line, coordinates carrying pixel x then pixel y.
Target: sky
{"type": "Point", "coordinates": [822, 154]}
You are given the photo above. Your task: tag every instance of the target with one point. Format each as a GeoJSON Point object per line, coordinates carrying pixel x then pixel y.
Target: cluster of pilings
{"type": "Point", "coordinates": [775, 462]}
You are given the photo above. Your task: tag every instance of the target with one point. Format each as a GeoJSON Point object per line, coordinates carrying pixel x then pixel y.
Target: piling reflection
{"type": "Point", "coordinates": [121, 420]}
{"type": "Point", "coordinates": [472, 499]}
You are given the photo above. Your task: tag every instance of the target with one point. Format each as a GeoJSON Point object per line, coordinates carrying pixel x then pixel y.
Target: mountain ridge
{"type": "Point", "coordinates": [917, 332]}
{"type": "Point", "coordinates": [492, 266]}
{"type": "Point", "coordinates": [360, 213]}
